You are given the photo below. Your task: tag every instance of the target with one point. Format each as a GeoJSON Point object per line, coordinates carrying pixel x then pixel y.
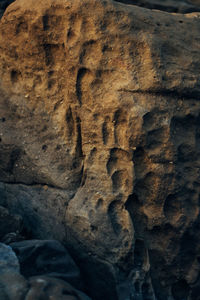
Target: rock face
{"type": "Point", "coordinates": [100, 139]}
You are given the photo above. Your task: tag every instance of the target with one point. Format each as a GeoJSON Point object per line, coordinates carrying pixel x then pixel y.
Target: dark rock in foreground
{"type": "Point", "coordinates": [50, 258]}
{"type": "Point", "coordinates": [52, 289]}
{"type": "Point", "coordinates": [9, 223]}
{"type": "Point", "coordinates": [13, 286]}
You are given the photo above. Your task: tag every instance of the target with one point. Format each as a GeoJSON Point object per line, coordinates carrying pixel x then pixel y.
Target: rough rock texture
{"type": "Point", "coordinates": [100, 139]}
{"type": "Point", "coordinates": [177, 6]}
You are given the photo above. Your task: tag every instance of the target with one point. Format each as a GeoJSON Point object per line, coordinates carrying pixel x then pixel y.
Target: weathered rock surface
{"type": "Point", "coordinates": [100, 139]}
{"type": "Point", "coordinates": [180, 6]}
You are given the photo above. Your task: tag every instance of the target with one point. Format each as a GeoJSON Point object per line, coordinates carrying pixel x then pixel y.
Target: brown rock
{"type": "Point", "coordinates": [100, 102]}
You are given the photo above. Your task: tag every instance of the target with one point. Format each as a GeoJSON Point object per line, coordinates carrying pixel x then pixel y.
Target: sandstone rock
{"type": "Point", "coordinates": [49, 258]}
{"type": "Point", "coordinates": [100, 138]}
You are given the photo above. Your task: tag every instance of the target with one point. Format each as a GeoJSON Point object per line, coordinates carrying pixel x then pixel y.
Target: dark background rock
{"type": "Point", "coordinates": [172, 6]}
{"type": "Point", "coordinates": [13, 286]}
{"type": "Point", "coordinates": [9, 223]}
{"type": "Point", "coordinates": [3, 5]}
{"type": "Point", "coordinates": [39, 257]}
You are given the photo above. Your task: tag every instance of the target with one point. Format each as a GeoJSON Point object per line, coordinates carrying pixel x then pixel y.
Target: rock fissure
{"type": "Point", "coordinates": [35, 184]}
{"type": "Point", "coordinates": [165, 93]}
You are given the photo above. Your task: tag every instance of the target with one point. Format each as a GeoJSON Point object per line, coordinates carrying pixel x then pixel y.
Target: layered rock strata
{"type": "Point", "coordinates": [100, 139]}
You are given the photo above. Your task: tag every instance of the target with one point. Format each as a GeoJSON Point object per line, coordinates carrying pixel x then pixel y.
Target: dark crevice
{"type": "Point", "coordinates": [14, 156]}
{"type": "Point", "coordinates": [113, 212]}
{"type": "Point", "coordinates": [49, 50]}
{"type": "Point", "coordinates": [15, 75]}
{"type": "Point", "coordinates": [187, 94]}
{"type": "Point", "coordinates": [70, 122]}
{"type": "Point", "coordinates": [79, 152]}
{"type": "Point", "coordinates": [33, 184]}
{"type": "Point", "coordinates": [45, 21]}
{"type": "Point", "coordinates": [180, 290]}
{"type": "Point", "coordinates": [174, 7]}
{"type": "Point", "coordinates": [80, 75]}
{"type": "Point", "coordinates": [105, 133]}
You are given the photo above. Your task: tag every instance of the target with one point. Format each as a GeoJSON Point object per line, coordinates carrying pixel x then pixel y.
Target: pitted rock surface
{"type": "Point", "coordinates": [100, 137]}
